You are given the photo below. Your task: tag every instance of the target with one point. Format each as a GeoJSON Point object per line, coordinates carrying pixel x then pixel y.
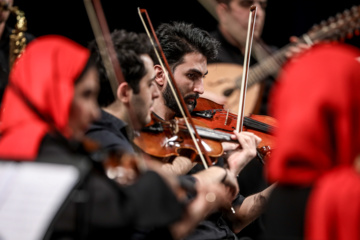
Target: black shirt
{"type": "Point", "coordinates": [102, 209]}
{"type": "Point", "coordinates": [111, 133]}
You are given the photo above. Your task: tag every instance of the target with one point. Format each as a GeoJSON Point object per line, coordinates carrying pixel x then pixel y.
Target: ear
{"type": "Point", "coordinates": [160, 77]}
{"type": "Point", "coordinates": [124, 92]}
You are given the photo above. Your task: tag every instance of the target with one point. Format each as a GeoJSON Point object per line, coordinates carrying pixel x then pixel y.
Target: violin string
{"type": "Point", "coordinates": [248, 122]}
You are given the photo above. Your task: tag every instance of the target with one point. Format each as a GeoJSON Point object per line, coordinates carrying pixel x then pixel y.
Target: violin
{"type": "Point", "coordinates": [165, 140]}
{"type": "Point", "coordinates": [216, 117]}
{"type": "Point", "coordinates": [122, 167]}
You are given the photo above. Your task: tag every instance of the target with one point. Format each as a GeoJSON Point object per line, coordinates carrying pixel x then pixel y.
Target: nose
{"type": "Point", "coordinates": [199, 86]}
{"type": "Point", "coordinates": [259, 10]}
{"type": "Point", "coordinates": [155, 92]}
{"type": "Point", "coordinates": [95, 112]}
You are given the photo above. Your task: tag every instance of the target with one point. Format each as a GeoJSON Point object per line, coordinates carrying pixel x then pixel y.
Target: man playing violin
{"type": "Point", "coordinates": [131, 110]}
{"type": "Point", "coordinates": [188, 50]}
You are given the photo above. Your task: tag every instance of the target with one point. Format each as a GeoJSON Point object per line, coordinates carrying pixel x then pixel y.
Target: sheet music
{"type": "Point", "coordinates": [31, 193]}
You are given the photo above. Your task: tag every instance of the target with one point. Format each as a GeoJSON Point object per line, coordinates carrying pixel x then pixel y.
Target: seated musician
{"type": "Point", "coordinates": [188, 49]}
{"type": "Point", "coordinates": [50, 101]}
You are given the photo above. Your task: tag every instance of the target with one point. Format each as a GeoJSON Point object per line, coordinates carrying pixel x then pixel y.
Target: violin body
{"type": "Point", "coordinates": [166, 140]}
{"type": "Point", "coordinates": [120, 166]}
{"type": "Point", "coordinates": [216, 117]}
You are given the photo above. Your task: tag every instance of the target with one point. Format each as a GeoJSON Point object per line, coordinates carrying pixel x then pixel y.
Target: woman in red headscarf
{"type": "Point", "coordinates": [50, 94]}
{"type": "Point", "coordinates": [317, 105]}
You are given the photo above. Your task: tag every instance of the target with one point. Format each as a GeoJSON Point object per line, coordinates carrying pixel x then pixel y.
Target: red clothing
{"type": "Point", "coordinates": [317, 105]}
{"type": "Point", "coordinates": [49, 86]}
{"type": "Point", "coordinates": [333, 211]}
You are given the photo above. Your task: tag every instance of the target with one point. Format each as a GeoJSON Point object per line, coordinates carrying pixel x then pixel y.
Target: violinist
{"type": "Point", "coordinates": [131, 111]}
{"type": "Point", "coordinates": [50, 101]}
{"type": "Point", "coordinates": [187, 50]}
{"type": "Point", "coordinates": [136, 97]}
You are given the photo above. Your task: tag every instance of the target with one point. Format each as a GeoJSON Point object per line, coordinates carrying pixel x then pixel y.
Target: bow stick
{"type": "Point", "coordinates": [178, 97]}
{"type": "Point", "coordinates": [249, 38]}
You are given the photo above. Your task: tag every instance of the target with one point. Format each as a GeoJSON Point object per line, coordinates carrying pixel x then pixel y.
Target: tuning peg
{"type": "Point", "coordinates": [339, 16]}
{"type": "Point", "coordinates": [323, 23]}
{"type": "Point", "coordinates": [347, 13]}
{"type": "Point", "coordinates": [314, 28]}
{"type": "Point", "coordinates": [355, 9]}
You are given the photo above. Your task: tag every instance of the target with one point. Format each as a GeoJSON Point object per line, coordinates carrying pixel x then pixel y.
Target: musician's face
{"type": "Point", "coordinates": [141, 103]}
{"type": "Point", "coordinates": [84, 109]}
{"type": "Point", "coordinates": [189, 76]}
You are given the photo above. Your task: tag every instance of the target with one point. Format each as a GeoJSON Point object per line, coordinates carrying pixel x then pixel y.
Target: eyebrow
{"type": "Point", "coordinates": [197, 71]}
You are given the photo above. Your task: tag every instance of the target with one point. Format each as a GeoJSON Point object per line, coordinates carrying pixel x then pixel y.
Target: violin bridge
{"type": "Point", "coordinates": [174, 127]}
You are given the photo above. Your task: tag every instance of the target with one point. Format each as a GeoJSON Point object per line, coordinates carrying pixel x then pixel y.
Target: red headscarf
{"type": "Point", "coordinates": [45, 74]}
{"type": "Point", "coordinates": [333, 211]}
{"type": "Point", "coordinates": [317, 105]}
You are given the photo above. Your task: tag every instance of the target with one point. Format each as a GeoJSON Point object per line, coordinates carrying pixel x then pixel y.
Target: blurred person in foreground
{"type": "Point", "coordinates": [317, 106]}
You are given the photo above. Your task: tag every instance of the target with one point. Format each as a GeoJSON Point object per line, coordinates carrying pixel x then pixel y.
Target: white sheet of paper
{"type": "Point", "coordinates": [31, 193]}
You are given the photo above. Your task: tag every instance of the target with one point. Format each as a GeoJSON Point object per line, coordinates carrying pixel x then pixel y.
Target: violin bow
{"type": "Point", "coordinates": [249, 40]}
{"type": "Point", "coordinates": [107, 51]}
{"type": "Point", "coordinates": [177, 95]}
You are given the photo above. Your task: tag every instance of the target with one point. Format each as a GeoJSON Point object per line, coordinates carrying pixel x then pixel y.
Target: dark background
{"type": "Point", "coordinates": [69, 18]}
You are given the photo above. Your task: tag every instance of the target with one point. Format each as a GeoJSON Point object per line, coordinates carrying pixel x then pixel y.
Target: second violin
{"type": "Point", "coordinates": [216, 117]}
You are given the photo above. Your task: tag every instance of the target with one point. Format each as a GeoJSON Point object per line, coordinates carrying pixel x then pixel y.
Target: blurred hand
{"type": "Point", "coordinates": [209, 199]}
{"type": "Point", "coordinates": [215, 175]}
{"type": "Point", "coordinates": [179, 166]}
{"type": "Point", "coordinates": [297, 48]}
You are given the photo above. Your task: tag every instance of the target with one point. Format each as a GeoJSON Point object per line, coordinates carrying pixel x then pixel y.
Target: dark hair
{"type": "Point", "coordinates": [89, 64]}
{"type": "Point", "coordinates": [128, 46]}
{"type": "Point", "coordinates": [179, 38]}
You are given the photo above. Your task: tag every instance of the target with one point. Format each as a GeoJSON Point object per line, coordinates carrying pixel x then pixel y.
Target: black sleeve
{"type": "Point", "coordinates": [110, 141]}
{"type": "Point", "coordinates": [153, 203]}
